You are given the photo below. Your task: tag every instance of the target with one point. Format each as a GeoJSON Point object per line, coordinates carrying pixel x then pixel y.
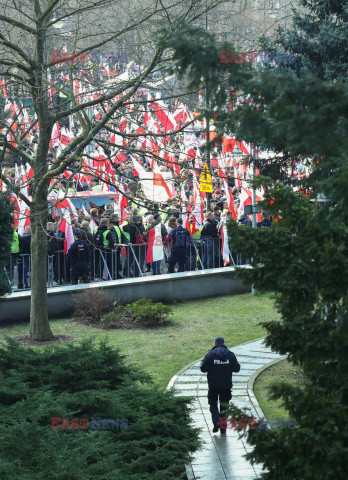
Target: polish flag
{"type": "Point", "coordinates": [66, 136]}
{"type": "Point", "coordinates": [163, 117]}
{"type": "Point", "coordinates": [2, 86]}
{"type": "Point", "coordinates": [30, 171]}
{"type": "Point", "coordinates": [191, 227]}
{"type": "Point", "coordinates": [155, 245]}
{"type": "Point", "coordinates": [159, 181]}
{"type": "Point", "coordinates": [24, 218]}
{"type": "Point", "coordinates": [225, 251]}
{"type": "Point", "coordinates": [156, 185]}
{"type": "Point", "coordinates": [198, 205]}
{"type": "Point", "coordinates": [229, 196]}
{"type": "Point", "coordinates": [67, 205]}
{"type": "Point", "coordinates": [92, 225]}
{"type": "Point", "coordinates": [24, 187]}
{"type": "Point", "coordinates": [55, 136]}
{"type": "Point", "coordinates": [181, 117]}
{"type": "Point", "coordinates": [123, 125]}
{"type": "Point", "coordinates": [66, 228]}
{"type": "Point", "coordinates": [120, 205]}
{"type": "Point", "coordinates": [84, 211]}
{"type": "Point", "coordinates": [243, 148]}
{"type": "Point", "coordinates": [16, 212]}
{"type": "Point", "coordinates": [245, 199]}
{"type": "Point", "coordinates": [228, 144]}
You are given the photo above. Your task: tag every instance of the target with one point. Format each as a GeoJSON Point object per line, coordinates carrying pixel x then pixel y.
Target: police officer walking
{"type": "Point", "coordinates": [181, 239]}
{"type": "Point", "coordinates": [79, 255]}
{"type": "Point", "coordinates": [219, 363]}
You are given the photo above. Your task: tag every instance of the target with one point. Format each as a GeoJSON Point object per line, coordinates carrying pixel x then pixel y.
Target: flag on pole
{"type": "Point", "coordinates": [225, 252]}
{"type": "Point", "coordinates": [229, 196]}
{"type": "Point", "coordinates": [24, 218]}
{"type": "Point", "coordinates": [155, 245]}
{"type": "Point", "coordinates": [66, 228]}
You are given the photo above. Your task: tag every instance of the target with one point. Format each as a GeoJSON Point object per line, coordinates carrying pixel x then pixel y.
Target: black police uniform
{"type": "Point", "coordinates": [181, 238]}
{"type": "Point", "coordinates": [219, 363]}
{"type": "Point", "coordinates": [79, 255]}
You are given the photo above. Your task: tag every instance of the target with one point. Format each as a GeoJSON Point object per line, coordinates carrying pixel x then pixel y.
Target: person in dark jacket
{"type": "Point", "coordinates": [266, 221]}
{"type": "Point", "coordinates": [115, 238]}
{"type": "Point", "coordinates": [100, 245]}
{"type": "Point", "coordinates": [79, 256]}
{"type": "Point", "coordinates": [136, 231]}
{"type": "Point", "coordinates": [209, 238]}
{"type": "Point", "coordinates": [180, 239]}
{"type": "Point", "coordinates": [24, 250]}
{"type": "Point", "coordinates": [52, 239]}
{"type": "Point", "coordinates": [94, 215]}
{"type": "Point", "coordinates": [245, 220]}
{"type": "Point", "coordinates": [219, 363]}
{"type": "Point", "coordinates": [87, 237]}
{"type": "Point", "coordinates": [52, 248]}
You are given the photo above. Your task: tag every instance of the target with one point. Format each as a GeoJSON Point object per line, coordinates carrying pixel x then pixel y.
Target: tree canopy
{"type": "Point", "coordinates": [302, 259]}
{"type": "Point", "coordinates": [299, 114]}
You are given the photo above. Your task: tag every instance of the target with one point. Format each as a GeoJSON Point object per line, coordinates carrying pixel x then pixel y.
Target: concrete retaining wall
{"type": "Point", "coordinates": [169, 287]}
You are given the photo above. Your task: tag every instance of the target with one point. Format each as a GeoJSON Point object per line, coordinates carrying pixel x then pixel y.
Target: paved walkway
{"type": "Point", "coordinates": [221, 457]}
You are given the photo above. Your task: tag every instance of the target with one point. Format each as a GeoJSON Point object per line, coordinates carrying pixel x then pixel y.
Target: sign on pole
{"type": "Point", "coordinates": [205, 182]}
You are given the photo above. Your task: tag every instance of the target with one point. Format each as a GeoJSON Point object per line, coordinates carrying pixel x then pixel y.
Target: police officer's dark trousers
{"type": "Point", "coordinates": [215, 396]}
{"type": "Point", "coordinates": [178, 255]}
{"type": "Point", "coordinates": [80, 269]}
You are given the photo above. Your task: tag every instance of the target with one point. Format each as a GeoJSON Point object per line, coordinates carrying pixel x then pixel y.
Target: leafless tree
{"type": "Point", "coordinates": [30, 29]}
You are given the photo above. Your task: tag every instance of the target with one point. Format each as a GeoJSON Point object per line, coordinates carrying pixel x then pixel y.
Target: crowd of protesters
{"type": "Point", "coordinates": [114, 251]}
{"type": "Point", "coordinates": [108, 247]}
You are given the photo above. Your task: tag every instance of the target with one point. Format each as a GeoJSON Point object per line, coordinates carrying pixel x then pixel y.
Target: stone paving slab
{"type": "Point", "coordinates": [221, 457]}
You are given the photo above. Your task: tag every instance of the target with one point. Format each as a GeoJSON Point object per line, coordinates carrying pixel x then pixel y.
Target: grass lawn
{"type": "Point", "coordinates": [196, 323]}
{"type": "Point", "coordinates": [282, 371]}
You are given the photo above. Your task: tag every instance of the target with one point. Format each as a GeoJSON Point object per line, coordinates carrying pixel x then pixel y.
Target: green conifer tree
{"type": "Point", "coordinates": [303, 258]}
{"type": "Point", "coordinates": [319, 38]}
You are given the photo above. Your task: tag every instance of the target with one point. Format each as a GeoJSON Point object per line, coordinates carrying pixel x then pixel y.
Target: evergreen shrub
{"type": "Point", "coordinates": [152, 439]}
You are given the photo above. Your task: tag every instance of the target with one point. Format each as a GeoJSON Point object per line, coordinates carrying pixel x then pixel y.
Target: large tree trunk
{"type": "Point", "coordinates": [39, 326]}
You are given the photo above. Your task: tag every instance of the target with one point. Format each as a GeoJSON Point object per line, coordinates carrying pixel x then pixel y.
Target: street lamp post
{"type": "Point", "coordinates": [254, 210]}
{"type": "Point", "coordinates": [207, 119]}
{"type": "Point", "coordinates": [254, 205]}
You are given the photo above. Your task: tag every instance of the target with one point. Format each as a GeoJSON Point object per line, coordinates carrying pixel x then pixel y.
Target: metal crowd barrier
{"type": "Point", "coordinates": [126, 261]}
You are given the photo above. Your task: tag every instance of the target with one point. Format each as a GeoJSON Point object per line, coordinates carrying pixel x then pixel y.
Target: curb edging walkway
{"type": "Point", "coordinates": [222, 457]}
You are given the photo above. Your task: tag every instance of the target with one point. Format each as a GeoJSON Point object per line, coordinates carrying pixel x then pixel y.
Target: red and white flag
{"type": "Point", "coordinates": [157, 185]}
{"type": "Point", "coordinates": [162, 179]}
{"type": "Point", "coordinates": [24, 218]}
{"type": "Point", "coordinates": [155, 245]}
{"type": "Point", "coordinates": [198, 205]}
{"type": "Point", "coordinates": [225, 251]}
{"type": "Point", "coordinates": [68, 205]}
{"type": "Point", "coordinates": [120, 205]}
{"type": "Point", "coordinates": [229, 196]}
{"type": "Point", "coordinates": [166, 119]}
{"type": "Point", "coordinates": [66, 228]}
{"type": "Point", "coordinates": [66, 136]}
